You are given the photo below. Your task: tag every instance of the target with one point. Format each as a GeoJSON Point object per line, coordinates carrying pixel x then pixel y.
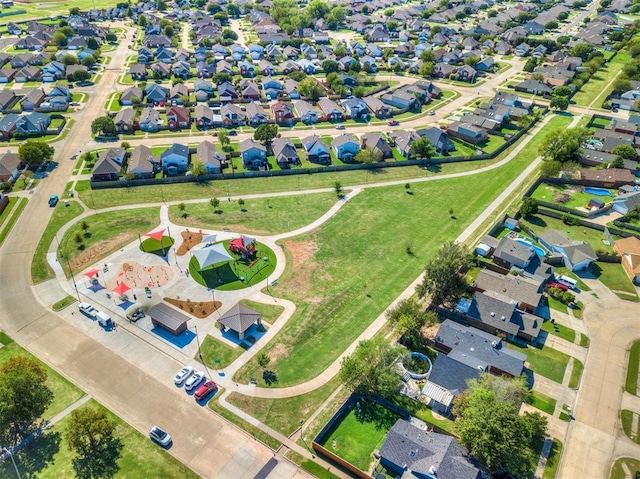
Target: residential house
{"type": "Point", "coordinates": [346, 147]}
{"type": "Point", "coordinates": [629, 251]}
{"type": "Point", "coordinates": [283, 113]}
{"type": "Point", "coordinates": [377, 107]}
{"type": "Point", "coordinates": [256, 115]}
{"type": "Point", "coordinates": [608, 178]}
{"type": "Point", "coordinates": [285, 153]}
{"type": "Point", "coordinates": [105, 169]}
{"type": "Point", "coordinates": [317, 151]}
{"type": "Point", "coordinates": [142, 164]}
{"type": "Point", "coordinates": [128, 95]}
{"type": "Point", "coordinates": [175, 159]}
{"type": "Point", "coordinates": [254, 155]}
{"type": "Point", "coordinates": [486, 64]}
{"type": "Point", "coordinates": [623, 204]}
{"type": "Point", "coordinates": [28, 73]}
{"type": "Point", "coordinates": [149, 120]}
{"type": "Point", "coordinates": [466, 73]}
{"type": "Point", "coordinates": [400, 99]}
{"type": "Point", "coordinates": [356, 108]}
{"type": "Point", "coordinates": [402, 141]}
{"type": "Point", "coordinates": [203, 90]}
{"type": "Point", "coordinates": [266, 68]}
{"type": "Point", "coordinates": [330, 110]}
{"type": "Point", "coordinates": [377, 142]}
{"type": "Point", "coordinates": [306, 112]}
{"type": "Point", "coordinates": [178, 117]}
{"type": "Point", "coordinates": [179, 93]}
{"type": "Point", "coordinates": [438, 138]}
{"type": "Point", "coordinates": [204, 117]}
{"type": "Point", "coordinates": [11, 166]}
{"type": "Point", "coordinates": [525, 291]}
{"type": "Point", "coordinates": [227, 92]}
{"type": "Point", "coordinates": [232, 115]}
{"type": "Point", "coordinates": [7, 74]}
{"type": "Point", "coordinates": [33, 124]}
{"type": "Point", "coordinates": [250, 91]}
{"type": "Point", "coordinates": [161, 70]}
{"type": "Point", "coordinates": [72, 69]}
{"type": "Point", "coordinates": [208, 154]}
{"type": "Point", "coordinates": [156, 94]}
{"type": "Point", "coordinates": [467, 132]}
{"type": "Point", "coordinates": [247, 68]}
{"type": "Point", "coordinates": [578, 255]}
{"type": "Point", "coordinates": [511, 254]}
{"type": "Point", "coordinates": [448, 379]}
{"type": "Point", "coordinates": [8, 99]}
{"type": "Point", "coordinates": [124, 120]}
{"type": "Point", "coordinates": [53, 71]}
{"type": "Point", "coordinates": [8, 125]}
{"type": "Point", "coordinates": [535, 87]}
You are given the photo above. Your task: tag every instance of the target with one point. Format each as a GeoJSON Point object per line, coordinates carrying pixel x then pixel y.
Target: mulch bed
{"type": "Point", "coordinates": [198, 309]}
{"type": "Point", "coordinates": [189, 240]}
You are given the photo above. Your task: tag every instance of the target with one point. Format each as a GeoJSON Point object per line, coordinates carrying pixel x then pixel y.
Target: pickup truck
{"type": "Point", "coordinates": [87, 309]}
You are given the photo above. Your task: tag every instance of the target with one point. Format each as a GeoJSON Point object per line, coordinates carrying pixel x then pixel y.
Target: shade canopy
{"type": "Point", "coordinates": [210, 238]}
{"type": "Point", "coordinates": [121, 288]}
{"type": "Point", "coordinates": [91, 273]}
{"type": "Point", "coordinates": [240, 318]}
{"type": "Point", "coordinates": [157, 235]}
{"type": "Point", "coordinates": [211, 255]}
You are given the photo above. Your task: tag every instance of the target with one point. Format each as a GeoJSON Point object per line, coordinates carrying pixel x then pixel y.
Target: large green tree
{"type": "Point", "coordinates": [563, 145]}
{"type": "Point", "coordinates": [24, 397]}
{"type": "Point", "coordinates": [34, 152]}
{"type": "Point", "coordinates": [369, 155]}
{"type": "Point", "coordinates": [409, 317]}
{"type": "Point", "coordinates": [626, 152]}
{"type": "Point", "coordinates": [91, 435]}
{"type": "Point", "coordinates": [266, 133]}
{"type": "Point", "coordinates": [310, 88]}
{"type": "Point", "coordinates": [559, 103]}
{"type": "Point", "coordinates": [443, 279]}
{"type": "Point", "coordinates": [422, 148]}
{"type": "Point", "coordinates": [103, 125]}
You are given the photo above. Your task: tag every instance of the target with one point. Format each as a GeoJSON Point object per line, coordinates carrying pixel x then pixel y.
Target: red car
{"type": "Point", "coordinates": [204, 390]}
{"type": "Point", "coordinates": [558, 285]}
{"type": "Point", "coordinates": [393, 123]}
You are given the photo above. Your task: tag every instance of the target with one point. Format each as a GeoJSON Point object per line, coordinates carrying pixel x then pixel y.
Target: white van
{"type": "Point", "coordinates": [104, 319]}
{"type": "Point", "coordinates": [567, 281]}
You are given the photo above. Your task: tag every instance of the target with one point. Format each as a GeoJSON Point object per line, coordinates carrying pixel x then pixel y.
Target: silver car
{"type": "Point", "coordinates": [161, 437]}
{"type": "Point", "coordinates": [195, 379]}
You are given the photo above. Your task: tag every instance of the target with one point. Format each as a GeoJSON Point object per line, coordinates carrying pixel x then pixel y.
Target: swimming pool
{"type": "Point", "coordinates": [597, 191]}
{"type": "Point", "coordinates": [539, 251]}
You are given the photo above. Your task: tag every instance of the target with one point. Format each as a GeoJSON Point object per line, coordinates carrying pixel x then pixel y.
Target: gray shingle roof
{"type": "Point", "coordinates": [494, 310]}
{"type": "Point", "coordinates": [519, 288]}
{"type": "Point", "coordinates": [452, 374]}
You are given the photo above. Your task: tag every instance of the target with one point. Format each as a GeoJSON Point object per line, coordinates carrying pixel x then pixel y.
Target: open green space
{"type": "Point", "coordinates": [40, 269]}
{"type": "Point", "coordinates": [545, 361]}
{"type": "Point", "coordinates": [6, 227]}
{"type": "Point", "coordinates": [63, 303]}
{"type": "Point", "coordinates": [584, 340]}
{"type": "Point", "coordinates": [106, 232]}
{"type": "Point", "coordinates": [631, 383]}
{"type": "Point", "coordinates": [560, 330]}
{"type": "Point", "coordinates": [361, 431]}
{"type": "Point", "coordinates": [257, 216]}
{"type": "Point", "coordinates": [553, 460]}
{"type": "Point", "coordinates": [65, 393]}
{"type": "Point", "coordinates": [284, 415]}
{"type": "Point", "coordinates": [577, 198]}
{"type": "Point", "coordinates": [157, 247]}
{"type": "Point", "coordinates": [49, 457]}
{"type": "Point", "coordinates": [576, 374]}
{"type": "Point", "coordinates": [613, 276]}
{"type": "Point", "coordinates": [269, 312]}
{"type": "Point", "coordinates": [540, 401]}
{"type": "Point", "coordinates": [598, 85]}
{"type": "Point", "coordinates": [618, 471]}
{"type": "Point", "coordinates": [13, 200]}
{"type": "Point", "coordinates": [626, 417]}
{"type": "Point", "coordinates": [212, 350]}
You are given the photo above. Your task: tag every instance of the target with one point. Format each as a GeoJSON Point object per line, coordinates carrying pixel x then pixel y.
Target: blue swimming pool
{"type": "Point", "coordinates": [539, 251]}
{"type": "Point", "coordinates": [597, 191]}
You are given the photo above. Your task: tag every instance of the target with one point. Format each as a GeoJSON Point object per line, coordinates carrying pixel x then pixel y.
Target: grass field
{"type": "Point", "coordinates": [11, 221]}
{"type": "Point", "coordinates": [547, 362]}
{"type": "Point", "coordinates": [597, 86]}
{"type": "Point", "coordinates": [213, 349]}
{"type": "Point", "coordinates": [49, 457]}
{"type": "Point", "coordinates": [613, 276]}
{"type": "Point", "coordinates": [63, 303]}
{"type": "Point", "coordinates": [617, 471]}
{"type": "Point", "coordinates": [258, 216]}
{"type": "Point", "coordinates": [40, 269]}
{"type": "Point", "coordinates": [544, 403]}
{"type": "Point", "coordinates": [553, 460]}
{"type": "Point", "coordinates": [361, 432]}
{"type": "Point", "coordinates": [584, 340]}
{"type": "Point", "coordinates": [269, 312]}
{"type": "Point", "coordinates": [626, 417]}
{"type": "Point", "coordinates": [547, 192]}
{"type": "Point", "coordinates": [576, 374]}
{"type": "Point", "coordinates": [631, 383]}
{"type": "Point", "coordinates": [558, 329]}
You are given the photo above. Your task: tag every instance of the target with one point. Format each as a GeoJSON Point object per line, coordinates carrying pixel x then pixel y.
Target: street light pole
{"type": "Point", "coordinates": [200, 352]}
{"type": "Point", "coordinates": [13, 461]}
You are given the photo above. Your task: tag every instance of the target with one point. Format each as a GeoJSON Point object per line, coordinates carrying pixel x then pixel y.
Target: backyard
{"type": "Point", "coordinates": [545, 361]}
{"type": "Point", "coordinates": [574, 194]}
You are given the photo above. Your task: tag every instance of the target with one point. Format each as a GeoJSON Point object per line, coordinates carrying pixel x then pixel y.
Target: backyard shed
{"type": "Point", "coordinates": [240, 318]}
{"type": "Point", "coordinates": [511, 224]}
{"type": "Point", "coordinates": [164, 316]}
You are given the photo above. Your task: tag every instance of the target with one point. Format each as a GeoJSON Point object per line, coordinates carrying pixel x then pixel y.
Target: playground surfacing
{"type": "Point", "coordinates": [135, 275]}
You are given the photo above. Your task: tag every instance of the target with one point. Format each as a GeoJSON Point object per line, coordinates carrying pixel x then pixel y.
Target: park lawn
{"type": "Point", "coordinates": [107, 233]}
{"type": "Point", "coordinates": [541, 401]}
{"type": "Point", "coordinates": [576, 374]}
{"type": "Point", "coordinates": [360, 432]}
{"type": "Point", "coordinates": [553, 460]}
{"type": "Point", "coordinates": [564, 332]}
{"type": "Point", "coordinates": [547, 362]}
{"type": "Point", "coordinates": [546, 192]}
{"type": "Point", "coordinates": [269, 312]}
{"type": "Point", "coordinates": [613, 276]}
{"type": "Point", "coordinates": [284, 415]}
{"type": "Point", "coordinates": [40, 269]}
{"type": "Point", "coordinates": [597, 85]}
{"type": "Point", "coordinates": [261, 216]}
{"type": "Point", "coordinates": [627, 418]}
{"type": "Point", "coordinates": [336, 301]}
{"type": "Point", "coordinates": [617, 471]}
{"type": "Point", "coordinates": [140, 456]}
{"type": "Point", "coordinates": [631, 383]}
{"type": "Point", "coordinates": [65, 393]}
{"type": "Point", "coordinates": [213, 349]}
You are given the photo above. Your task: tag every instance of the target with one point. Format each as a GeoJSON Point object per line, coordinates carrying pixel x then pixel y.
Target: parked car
{"type": "Point", "coordinates": [204, 390]}
{"type": "Point", "coordinates": [183, 374]}
{"type": "Point", "coordinates": [86, 308]}
{"type": "Point", "coordinates": [135, 315]}
{"type": "Point", "coordinates": [161, 437]}
{"type": "Point", "coordinates": [431, 113]}
{"type": "Point", "coordinates": [195, 379]}
{"type": "Point", "coordinates": [233, 133]}
{"type": "Point", "coordinates": [147, 291]}
{"type": "Point", "coordinates": [393, 123]}
{"type": "Point", "coordinates": [559, 285]}
{"type": "Point", "coordinates": [339, 127]}
{"type": "Point", "coordinates": [53, 200]}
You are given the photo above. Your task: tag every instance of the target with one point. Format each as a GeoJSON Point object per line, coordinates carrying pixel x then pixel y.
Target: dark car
{"type": "Point", "coordinates": [233, 133]}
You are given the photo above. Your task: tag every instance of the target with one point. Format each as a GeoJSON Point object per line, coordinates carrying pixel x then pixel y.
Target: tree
{"type": "Point", "coordinates": [443, 274]}
{"type": "Point", "coordinates": [228, 34]}
{"type": "Point", "coordinates": [85, 227]}
{"type": "Point", "coordinates": [111, 37]}
{"type": "Point", "coordinates": [426, 69]}
{"type": "Point", "coordinates": [90, 435]}
{"type": "Point", "coordinates": [559, 103]}
{"type": "Point", "coordinates": [59, 38]}
{"type": "Point", "coordinates": [472, 61]}
{"type": "Point", "coordinates": [34, 153]}
{"type": "Point", "coordinates": [266, 133]}
{"type": "Point", "coordinates": [317, 9]}
{"type": "Point", "coordinates": [241, 204]}
{"type": "Point", "coordinates": [182, 207]}
{"type": "Point", "coordinates": [69, 59]}
{"type": "Point", "coordinates": [88, 61]}
{"type": "Point", "coordinates": [552, 25]}
{"type": "Point", "coordinates": [622, 84]}
{"type": "Point", "coordinates": [330, 66]}
{"type": "Point", "coordinates": [626, 152]}
{"type": "Point", "coordinates": [197, 168]}
{"type": "Point", "coordinates": [618, 162]}
{"type": "Point", "coordinates": [233, 10]}
{"type": "Point", "coordinates": [530, 65]}
{"type": "Point", "coordinates": [529, 207]}
{"type": "Point", "coordinates": [168, 31]}
{"type": "Point", "coordinates": [562, 90]}
{"type": "Point", "coordinates": [562, 16]}
{"type": "Point", "coordinates": [103, 125]}
{"type": "Point", "coordinates": [337, 186]}
{"type": "Point", "coordinates": [550, 169]}
{"type": "Point", "coordinates": [422, 148]}
{"type": "Point", "coordinates": [224, 139]}
{"type": "Point", "coordinates": [215, 202]}
{"type": "Point", "coordinates": [24, 397]}
{"type": "Point", "coordinates": [81, 75]}
{"type": "Point", "coordinates": [368, 369]}
{"type": "Point", "coordinates": [369, 155]}
{"type": "Point", "coordinates": [74, 11]}
{"type": "Point", "coordinates": [564, 145]}
{"type": "Point", "coordinates": [582, 50]}
{"type": "Point", "coordinates": [409, 317]}
{"type": "Point", "coordinates": [263, 360]}
{"type": "Point", "coordinates": [310, 88]}
{"type": "Point", "coordinates": [161, 5]}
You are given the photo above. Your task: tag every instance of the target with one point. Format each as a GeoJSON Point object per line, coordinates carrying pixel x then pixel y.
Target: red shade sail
{"type": "Point", "coordinates": [91, 273]}
{"type": "Point", "coordinates": [157, 235]}
{"type": "Point", "coordinates": [121, 288]}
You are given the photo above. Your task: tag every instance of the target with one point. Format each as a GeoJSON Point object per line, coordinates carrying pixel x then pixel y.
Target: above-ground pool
{"type": "Point", "coordinates": [597, 191]}
{"type": "Point", "coordinates": [539, 251]}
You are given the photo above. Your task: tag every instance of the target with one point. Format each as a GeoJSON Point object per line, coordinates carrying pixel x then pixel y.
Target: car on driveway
{"type": "Point", "coordinates": [195, 379]}
{"type": "Point", "coordinates": [160, 436]}
{"type": "Point", "coordinates": [87, 309]}
{"type": "Point", "coordinates": [204, 390]}
{"type": "Point", "coordinates": [339, 127]}
{"type": "Point", "coordinates": [182, 375]}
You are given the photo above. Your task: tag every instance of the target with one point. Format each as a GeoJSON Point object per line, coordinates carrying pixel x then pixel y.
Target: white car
{"type": "Point", "coordinates": [86, 308]}
{"type": "Point", "coordinates": [182, 375]}
{"type": "Point", "coordinates": [195, 379]}
{"type": "Point", "coordinates": [161, 437]}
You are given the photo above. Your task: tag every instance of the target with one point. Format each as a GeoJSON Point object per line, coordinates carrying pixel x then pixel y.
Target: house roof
{"type": "Point", "coordinates": [617, 175]}
{"type": "Point", "coordinates": [519, 288]}
{"type": "Point", "coordinates": [9, 162]}
{"type": "Point", "coordinates": [167, 316]}
{"type": "Point", "coordinates": [105, 166]}
{"type": "Point", "coordinates": [249, 144]}
{"type": "Point", "coordinates": [344, 139]}
{"type": "Point", "coordinates": [284, 146]}
{"type": "Point", "coordinates": [452, 374]}
{"type": "Point", "coordinates": [509, 247]}
{"type": "Point", "coordinates": [176, 149]}
{"type": "Point", "coordinates": [240, 318]}
{"type": "Point", "coordinates": [422, 451]}
{"type": "Point", "coordinates": [141, 159]}
{"type": "Point", "coordinates": [629, 250]}
{"type": "Point", "coordinates": [207, 152]}
{"type": "Point", "coordinates": [494, 310]}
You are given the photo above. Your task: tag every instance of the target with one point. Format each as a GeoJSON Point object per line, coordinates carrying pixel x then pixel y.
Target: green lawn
{"type": "Point", "coordinates": [557, 305]}
{"type": "Point", "coordinates": [576, 374]}
{"type": "Point", "coordinates": [65, 393]}
{"type": "Point", "coordinates": [553, 460]}
{"type": "Point", "coordinates": [613, 276]}
{"type": "Point", "coordinates": [269, 312]}
{"type": "Point", "coordinates": [107, 232]}
{"type": "Point", "coordinates": [493, 143]}
{"type": "Point", "coordinates": [284, 415]}
{"type": "Point", "coordinates": [578, 198]}
{"type": "Point", "coordinates": [558, 329]}
{"type": "Point", "coordinates": [13, 200]}
{"type": "Point", "coordinates": [627, 417]}
{"type": "Point", "coordinates": [631, 383]}
{"type": "Point", "coordinates": [361, 432]}
{"type": "Point", "coordinates": [260, 216]}
{"type": "Point", "coordinates": [584, 340]}
{"type": "Point", "coordinates": [40, 269]}
{"type": "Point", "coordinates": [63, 303]}
{"type": "Point", "coordinates": [8, 225]}
{"type": "Point", "coordinates": [544, 403]}
{"type": "Point", "coordinates": [597, 85]}
{"type": "Point", "coordinates": [213, 349]}
{"type": "Point", "coordinates": [617, 472]}
{"type": "Point", "coordinates": [49, 457]}
{"type": "Point", "coordinates": [327, 276]}
{"type": "Point", "coordinates": [545, 361]}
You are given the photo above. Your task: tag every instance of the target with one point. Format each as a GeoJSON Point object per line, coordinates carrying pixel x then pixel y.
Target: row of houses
{"type": "Point", "coordinates": [36, 99]}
